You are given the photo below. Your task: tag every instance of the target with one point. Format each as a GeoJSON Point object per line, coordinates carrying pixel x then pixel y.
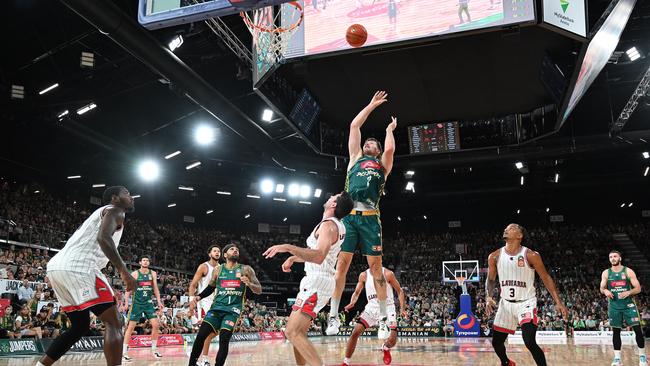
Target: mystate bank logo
{"type": "Point", "coordinates": [466, 321]}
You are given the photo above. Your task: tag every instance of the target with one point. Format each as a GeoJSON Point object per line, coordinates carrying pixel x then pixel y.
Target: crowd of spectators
{"type": "Point", "coordinates": [574, 256]}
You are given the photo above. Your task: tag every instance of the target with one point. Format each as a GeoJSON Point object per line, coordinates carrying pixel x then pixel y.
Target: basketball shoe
{"type": "Point", "coordinates": [643, 360]}
{"type": "Point", "coordinates": [387, 356]}
{"type": "Point", "coordinates": [333, 326]}
{"type": "Point", "coordinates": [617, 362]}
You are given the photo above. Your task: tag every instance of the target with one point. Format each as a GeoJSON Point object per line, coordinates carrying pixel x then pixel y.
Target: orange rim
{"type": "Point", "coordinates": [261, 28]}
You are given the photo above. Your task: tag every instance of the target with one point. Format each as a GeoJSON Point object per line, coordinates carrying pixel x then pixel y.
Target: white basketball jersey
{"type": "Point", "coordinates": [516, 277]}
{"type": "Point", "coordinates": [203, 283]}
{"type": "Point", "coordinates": [81, 252]}
{"type": "Point", "coordinates": [371, 292]}
{"type": "Point", "coordinates": [327, 267]}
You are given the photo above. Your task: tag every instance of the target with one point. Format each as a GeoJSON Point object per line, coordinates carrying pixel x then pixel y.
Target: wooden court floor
{"type": "Point", "coordinates": [409, 351]}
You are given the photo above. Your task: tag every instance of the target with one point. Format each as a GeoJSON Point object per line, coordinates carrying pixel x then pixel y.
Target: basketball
{"type": "Point", "coordinates": [356, 35]}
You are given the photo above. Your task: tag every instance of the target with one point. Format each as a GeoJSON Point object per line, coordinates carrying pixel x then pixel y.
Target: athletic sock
{"type": "Point", "coordinates": [384, 347]}
{"type": "Point", "coordinates": [617, 354]}
{"type": "Point", "coordinates": [125, 349]}
{"type": "Point", "coordinates": [334, 305]}
{"type": "Point", "coordinates": [39, 364]}
{"type": "Point", "coordinates": [347, 361]}
{"type": "Point", "coordinates": [641, 351]}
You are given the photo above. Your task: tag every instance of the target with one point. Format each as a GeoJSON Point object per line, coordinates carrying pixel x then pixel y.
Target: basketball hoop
{"type": "Point", "coordinates": [269, 36]}
{"type": "Point", "coordinates": [460, 280]}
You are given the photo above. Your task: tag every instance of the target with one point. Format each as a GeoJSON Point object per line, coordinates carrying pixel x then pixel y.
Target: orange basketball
{"type": "Point", "coordinates": [356, 35]}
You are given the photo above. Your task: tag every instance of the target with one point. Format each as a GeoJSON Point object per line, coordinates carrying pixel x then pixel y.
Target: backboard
{"type": "Point", "coordinates": [467, 269]}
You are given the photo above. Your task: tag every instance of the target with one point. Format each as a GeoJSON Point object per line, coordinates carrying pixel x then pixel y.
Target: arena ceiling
{"type": "Point", "coordinates": [140, 114]}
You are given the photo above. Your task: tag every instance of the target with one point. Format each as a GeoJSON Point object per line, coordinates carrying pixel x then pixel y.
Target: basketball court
{"type": "Point", "coordinates": [408, 352]}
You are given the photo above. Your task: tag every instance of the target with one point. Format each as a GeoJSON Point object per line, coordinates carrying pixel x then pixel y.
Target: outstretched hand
{"type": "Point", "coordinates": [379, 98]}
{"type": "Point", "coordinates": [272, 251]}
{"type": "Point", "coordinates": [392, 125]}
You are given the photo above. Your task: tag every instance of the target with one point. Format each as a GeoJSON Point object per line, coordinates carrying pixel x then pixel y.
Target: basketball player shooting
{"type": "Point", "coordinates": [201, 279]}
{"type": "Point", "coordinates": [370, 315]}
{"type": "Point", "coordinates": [619, 283]}
{"type": "Point", "coordinates": [75, 275]}
{"type": "Point", "coordinates": [316, 288]}
{"type": "Point", "coordinates": [142, 306]}
{"type": "Point", "coordinates": [367, 173]}
{"type": "Point", "coordinates": [515, 265]}
{"type": "Point", "coordinates": [230, 282]}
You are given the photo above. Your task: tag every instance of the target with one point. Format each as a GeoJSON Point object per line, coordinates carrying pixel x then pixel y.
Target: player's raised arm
{"type": "Point", "coordinates": [392, 280]}
{"type": "Point", "coordinates": [389, 147]}
{"type": "Point", "coordinates": [357, 291]}
{"type": "Point", "coordinates": [536, 262]}
{"type": "Point", "coordinates": [354, 141]}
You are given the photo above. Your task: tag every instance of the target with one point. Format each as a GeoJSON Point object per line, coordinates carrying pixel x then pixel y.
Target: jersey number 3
{"type": "Point", "coordinates": [512, 292]}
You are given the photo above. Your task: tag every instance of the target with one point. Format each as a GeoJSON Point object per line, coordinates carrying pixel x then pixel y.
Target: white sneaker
{"type": "Point", "coordinates": [382, 329]}
{"type": "Point", "coordinates": [203, 361]}
{"type": "Point", "coordinates": [643, 360]}
{"type": "Point", "coordinates": [125, 357]}
{"type": "Point", "coordinates": [333, 326]}
{"type": "Point", "coordinates": [617, 362]}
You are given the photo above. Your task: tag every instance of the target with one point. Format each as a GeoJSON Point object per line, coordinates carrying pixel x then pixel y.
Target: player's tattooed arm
{"type": "Point", "coordinates": [250, 279]}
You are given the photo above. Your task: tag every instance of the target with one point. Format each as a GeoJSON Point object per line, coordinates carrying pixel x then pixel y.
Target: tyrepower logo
{"type": "Point", "coordinates": [468, 324]}
{"type": "Point", "coordinates": [230, 283]}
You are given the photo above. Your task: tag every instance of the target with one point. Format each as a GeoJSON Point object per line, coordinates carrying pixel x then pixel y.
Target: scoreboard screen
{"type": "Point", "coordinates": [434, 137]}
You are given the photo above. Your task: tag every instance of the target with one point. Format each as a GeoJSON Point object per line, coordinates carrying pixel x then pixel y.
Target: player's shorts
{"type": "Point", "coordinates": [220, 319]}
{"type": "Point", "coordinates": [511, 314]}
{"type": "Point", "coordinates": [139, 311]}
{"type": "Point", "coordinates": [204, 306]}
{"type": "Point", "coordinates": [630, 314]}
{"type": "Point", "coordinates": [315, 293]}
{"type": "Point", "coordinates": [80, 291]}
{"type": "Point", "coordinates": [363, 232]}
{"type": "Point", "coordinates": [370, 316]}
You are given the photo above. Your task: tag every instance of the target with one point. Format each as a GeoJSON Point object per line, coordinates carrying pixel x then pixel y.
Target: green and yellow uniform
{"type": "Point", "coordinates": [621, 309]}
{"type": "Point", "coordinates": [142, 305]}
{"type": "Point", "coordinates": [365, 183]}
{"type": "Point", "coordinates": [229, 300]}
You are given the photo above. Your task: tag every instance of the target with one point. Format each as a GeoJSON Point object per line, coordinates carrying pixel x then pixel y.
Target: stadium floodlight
{"type": "Point", "coordinates": [409, 174]}
{"type": "Point", "coordinates": [267, 115]}
{"type": "Point", "coordinates": [622, 204]}
{"type": "Point", "coordinates": [62, 114]}
{"type": "Point", "coordinates": [224, 193]}
{"type": "Point", "coordinates": [136, 196]}
{"type": "Point", "coordinates": [205, 135]}
{"type": "Point", "coordinates": [305, 191]}
{"type": "Point", "coordinates": [284, 220]}
{"type": "Point", "coordinates": [86, 108]}
{"type": "Point", "coordinates": [631, 204]}
{"type": "Point", "coordinates": [519, 165]}
{"type": "Point", "coordinates": [293, 190]}
{"type": "Point", "coordinates": [149, 170]}
{"type": "Point", "coordinates": [51, 87]}
{"type": "Point", "coordinates": [209, 211]}
{"type": "Point", "coordinates": [399, 218]}
{"type": "Point", "coordinates": [37, 192]}
{"type": "Point", "coordinates": [186, 188]}
{"type": "Point", "coordinates": [646, 155]}
{"type": "Point", "coordinates": [279, 199]}
{"type": "Point", "coordinates": [193, 165]}
{"type": "Point", "coordinates": [74, 177]}
{"type": "Point", "coordinates": [557, 177]}
{"type": "Point", "coordinates": [521, 181]}
{"type": "Point", "coordinates": [304, 202]}
{"type": "Point", "coordinates": [99, 185]}
{"type": "Point", "coordinates": [645, 174]}
{"type": "Point", "coordinates": [518, 212]}
{"type": "Point", "coordinates": [252, 196]}
{"type": "Point", "coordinates": [633, 53]}
{"type": "Point", "coordinates": [548, 209]}
{"type": "Point", "coordinates": [410, 186]}
{"type": "Point", "coordinates": [424, 216]}
{"type": "Point", "coordinates": [171, 205]}
{"type": "Point", "coordinates": [175, 153]}
{"type": "Point", "coordinates": [279, 188]}
{"type": "Point", "coordinates": [247, 215]}
{"type": "Point", "coordinates": [318, 192]}
{"type": "Point", "coordinates": [175, 43]}
{"type": "Point", "coordinates": [266, 186]}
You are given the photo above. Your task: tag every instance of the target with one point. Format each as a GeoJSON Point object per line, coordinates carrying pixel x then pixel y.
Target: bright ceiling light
{"type": "Point", "coordinates": [149, 171]}
{"type": "Point", "coordinates": [521, 181]}
{"type": "Point", "coordinates": [86, 108]}
{"type": "Point", "coordinates": [519, 165]}
{"type": "Point", "coordinates": [62, 114]}
{"type": "Point", "coordinates": [175, 43]}
{"type": "Point", "coordinates": [622, 205]}
{"type": "Point", "coordinates": [99, 185]}
{"type": "Point", "coordinates": [645, 174]}
{"type": "Point", "coordinates": [284, 220]}
{"type": "Point", "coordinates": [304, 202]}
{"type": "Point", "coordinates": [305, 191]}
{"type": "Point", "coordinates": [252, 196]}
{"type": "Point", "coordinates": [136, 196]}
{"type": "Point", "coordinates": [294, 190]}
{"type": "Point", "coordinates": [266, 186]}
{"type": "Point", "coordinates": [557, 177]}
{"type": "Point", "coordinates": [646, 155]}
{"type": "Point", "coordinates": [633, 53]}
{"type": "Point", "coordinates": [51, 87]}
{"type": "Point", "coordinates": [209, 211]}
{"type": "Point", "coordinates": [410, 186]}
{"type": "Point", "coordinates": [267, 115]}
{"type": "Point", "coordinates": [518, 212]}
{"type": "Point", "coordinates": [205, 135]}
{"type": "Point", "coordinates": [224, 193]}
{"type": "Point", "coordinates": [175, 153]}
{"type": "Point", "coordinates": [171, 205]}
{"type": "Point", "coordinates": [631, 204]}
{"type": "Point", "coordinates": [548, 209]}
{"type": "Point", "coordinates": [409, 174]}
{"type": "Point", "coordinates": [399, 218]}
{"type": "Point", "coordinates": [185, 188]}
{"type": "Point", "coordinates": [279, 188]}
{"type": "Point", "coordinates": [318, 192]}
{"type": "Point", "coordinates": [424, 216]}
{"type": "Point", "coordinates": [74, 176]}
{"type": "Point", "coordinates": [193, 165]}
{"type": "Point", "coordinates": [247, 216]}
{"type": "Point", "coordinates": [280, 199]}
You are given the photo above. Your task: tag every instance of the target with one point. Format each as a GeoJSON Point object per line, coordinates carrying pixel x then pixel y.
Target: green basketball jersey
{"type": "Point", "coordinates": [618, 282]}
{"type": "Point", "coordinates": [231, 291]}
{"type": "Point", "coordinates": [365, 181]}
{"type": "Point", "coordinates": [143, 294]}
